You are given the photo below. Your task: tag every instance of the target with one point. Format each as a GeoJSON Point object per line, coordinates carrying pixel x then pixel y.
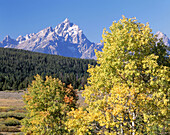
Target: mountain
{"type": "Point", "coordinates": [165, 39]}
{"type": "Point", "coordinates": [66, 39]}
{"type": "Point", "coordinates": [8, 42]}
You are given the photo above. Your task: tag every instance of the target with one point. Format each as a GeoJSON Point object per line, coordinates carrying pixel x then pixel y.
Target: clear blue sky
{"type": "Point", "coordinates": [21, 17]}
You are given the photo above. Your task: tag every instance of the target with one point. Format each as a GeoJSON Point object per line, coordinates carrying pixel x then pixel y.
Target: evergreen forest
{"type": "Point", "coordinates": [18, 68]}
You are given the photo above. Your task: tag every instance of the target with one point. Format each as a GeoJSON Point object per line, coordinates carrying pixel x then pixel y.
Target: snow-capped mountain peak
{"type": "Point", "coordinates": [164, 37]}
{"type": "Point", "coordinates": [160, 35]}
{"type": "Point", "coordinates": [71, 32]}
{"type": "Point", "coordinates": [66, 21]}
{"type": "Point", "coordinates": [66, 39]}
{"type": "Point", "coordinates": [45, 32]}
{"type": "Point", "coordinates": [7, 38]}
{"type": "Point", "coordinates": [20, 39]}
{"type": "Point", "coordinates": [8, 42]}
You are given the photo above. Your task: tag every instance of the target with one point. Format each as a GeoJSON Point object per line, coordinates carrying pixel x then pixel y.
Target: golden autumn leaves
{"type": "Point", "coordinates": [127, 92]}
{"type": "Point", "coordinates": [48, 103]}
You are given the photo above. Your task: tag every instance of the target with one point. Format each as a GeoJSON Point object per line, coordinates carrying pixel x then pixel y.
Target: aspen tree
{"type": "Point", "coordinates": [127, 92]}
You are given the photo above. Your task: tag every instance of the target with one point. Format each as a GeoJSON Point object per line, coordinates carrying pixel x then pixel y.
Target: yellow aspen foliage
{"type": "Point", "coordinates": [47, 104]}
{"type": "Point", "coordinates": [127, 91]}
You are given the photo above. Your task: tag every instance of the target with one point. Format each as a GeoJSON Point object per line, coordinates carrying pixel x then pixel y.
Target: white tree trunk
{"type": "Point", "coordinates": [133, 124]}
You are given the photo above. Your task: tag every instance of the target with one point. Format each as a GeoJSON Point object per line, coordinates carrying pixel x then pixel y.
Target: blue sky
{"type": "Point", "coordinates": [21, 17]}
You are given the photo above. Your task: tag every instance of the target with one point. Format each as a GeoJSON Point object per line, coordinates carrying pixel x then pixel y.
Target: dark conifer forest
{"type": "Point", "coordinates": [18, 68]}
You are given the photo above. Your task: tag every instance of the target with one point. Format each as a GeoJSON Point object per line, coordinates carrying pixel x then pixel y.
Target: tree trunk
{"type": "Point", "coordinates": [133, 124]}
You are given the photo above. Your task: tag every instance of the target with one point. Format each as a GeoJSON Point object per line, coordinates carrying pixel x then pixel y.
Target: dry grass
{"type": "Point", "coordinates": [11, 94]}
{"type": "Point", "coordinates": [14, 99]}
{"type": "Point", "coordinates": [13, 133]}
{"type": "Point", "coordinates": [11, 99]}
{"type": "Point", "coordinates": [11, 103]}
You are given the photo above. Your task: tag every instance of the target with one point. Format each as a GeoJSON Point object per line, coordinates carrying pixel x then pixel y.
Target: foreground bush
{"type": "Point", "coordinates": [47, 103]}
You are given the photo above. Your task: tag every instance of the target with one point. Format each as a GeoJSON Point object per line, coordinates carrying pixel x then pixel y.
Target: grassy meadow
{"type": "Point", "coordinates": [12, 111]}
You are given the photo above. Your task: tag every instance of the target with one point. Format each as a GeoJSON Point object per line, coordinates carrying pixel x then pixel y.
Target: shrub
{"type": "Point", "coordinates": [12, 122]}
{"type": "Point", "coordinates": [15, 115]}
{"type": "Point", "coordinates": [47, 103]}
{"type": "Point", "coordinates": [8, 129]}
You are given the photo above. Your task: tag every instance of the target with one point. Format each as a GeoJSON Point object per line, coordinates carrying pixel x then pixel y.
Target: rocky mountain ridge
{"type": "Point", "coordinates": [66, 39]}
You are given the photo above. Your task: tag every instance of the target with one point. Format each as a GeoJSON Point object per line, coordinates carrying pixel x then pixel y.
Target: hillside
{"type": "Point", "coordinates": [18, 67]}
